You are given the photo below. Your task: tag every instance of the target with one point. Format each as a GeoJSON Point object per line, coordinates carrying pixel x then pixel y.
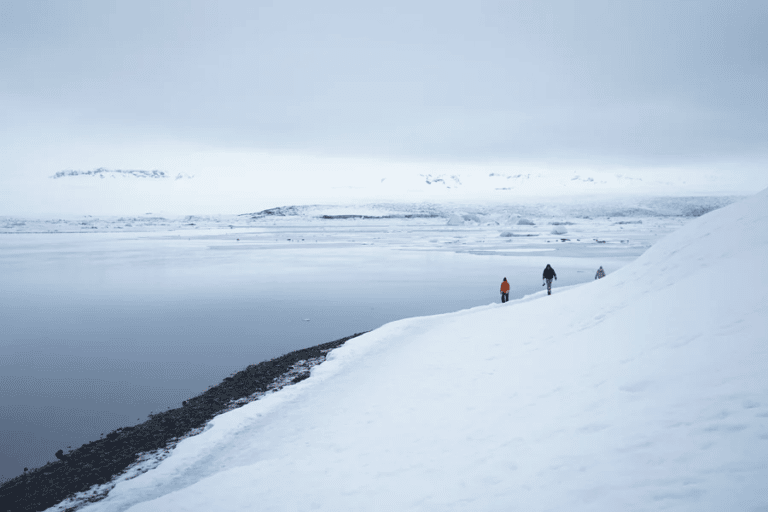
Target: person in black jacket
{"type": "Point", "coordinates": [548, 275]}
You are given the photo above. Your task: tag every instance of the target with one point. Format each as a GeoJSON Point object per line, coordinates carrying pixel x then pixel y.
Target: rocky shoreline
{"type": "Point", "coordinates": [99, 462]}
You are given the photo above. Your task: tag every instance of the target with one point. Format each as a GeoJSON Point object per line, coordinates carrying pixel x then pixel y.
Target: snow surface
{"type": "Point", "coordinates": [644, 390]}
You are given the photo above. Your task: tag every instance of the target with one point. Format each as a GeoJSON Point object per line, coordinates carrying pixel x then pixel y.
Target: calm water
{"type": "Point", "coordinates": [98, 330]}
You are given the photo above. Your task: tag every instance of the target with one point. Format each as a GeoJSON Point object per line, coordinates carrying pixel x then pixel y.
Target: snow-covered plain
{"type": "Point", "coordinates": [645, 390]}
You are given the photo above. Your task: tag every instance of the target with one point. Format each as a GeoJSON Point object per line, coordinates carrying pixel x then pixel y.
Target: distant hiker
{"type": "Point", "coordinates": [600, 273]}
{"type": "Point", "coordinates": [548, 274]}
{"type": "Point", "coordinates": [504, 291]}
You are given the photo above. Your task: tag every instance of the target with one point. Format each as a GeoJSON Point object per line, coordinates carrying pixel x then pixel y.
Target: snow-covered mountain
{"type": "Point", "coordinates": [644, 390]}
{"type": "Point", "coordinates": [208, 188]}
{"type": "Point", "coordinates": [104, 173]}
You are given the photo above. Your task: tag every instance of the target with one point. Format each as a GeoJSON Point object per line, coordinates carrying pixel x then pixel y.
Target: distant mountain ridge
{"type": "Point", "coordinates": [102, 173]}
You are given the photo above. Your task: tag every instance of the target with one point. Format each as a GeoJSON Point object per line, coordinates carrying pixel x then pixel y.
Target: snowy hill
{"type": "Point", "coordinates": [645, 390]}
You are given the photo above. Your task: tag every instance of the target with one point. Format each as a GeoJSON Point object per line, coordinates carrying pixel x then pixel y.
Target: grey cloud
{"type": "Point", "coordinates": [603, 80]}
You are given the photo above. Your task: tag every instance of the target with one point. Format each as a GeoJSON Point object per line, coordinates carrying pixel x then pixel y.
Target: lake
{"type": "Point", "coordinates": [99, 329]}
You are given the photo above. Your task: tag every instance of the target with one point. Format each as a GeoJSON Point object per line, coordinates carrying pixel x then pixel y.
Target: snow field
{"type": "Point", "coordinates": [645, 390]}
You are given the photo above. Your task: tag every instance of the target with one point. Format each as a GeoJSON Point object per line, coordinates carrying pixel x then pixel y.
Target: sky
{"type": "Point", "coordinates": [153, 85]}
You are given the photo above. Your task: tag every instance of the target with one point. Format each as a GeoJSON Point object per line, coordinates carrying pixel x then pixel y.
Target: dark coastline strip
{"type": "Point", "coordinates": [99, 461]}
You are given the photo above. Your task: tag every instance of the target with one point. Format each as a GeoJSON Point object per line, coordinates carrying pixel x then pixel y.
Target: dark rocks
{"type": "Point", "coordinates": [99, 461]}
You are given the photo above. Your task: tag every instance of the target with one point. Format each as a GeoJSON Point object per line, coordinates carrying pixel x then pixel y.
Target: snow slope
{"type": "Point", "coordinates": [645, 390]}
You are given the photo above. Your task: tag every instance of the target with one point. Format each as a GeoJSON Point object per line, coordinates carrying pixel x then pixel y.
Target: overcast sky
{"type": "Point", "coordinates": [645, 82]}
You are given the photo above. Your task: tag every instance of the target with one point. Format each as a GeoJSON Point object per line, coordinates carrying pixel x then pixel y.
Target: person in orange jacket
{"type": "Point", "coordinates": [504, 291]}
